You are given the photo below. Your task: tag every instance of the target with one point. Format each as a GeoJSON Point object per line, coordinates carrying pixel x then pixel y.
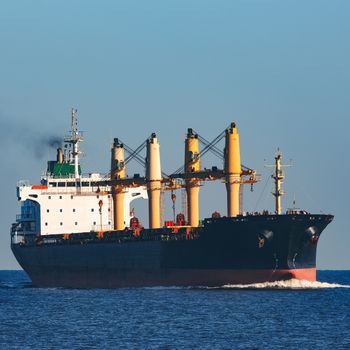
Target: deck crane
{"type": "Point", "coordinates": [189, 176]}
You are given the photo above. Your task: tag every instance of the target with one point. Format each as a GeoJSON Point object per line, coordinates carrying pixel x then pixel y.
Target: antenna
{"type": "Point", "coordinates": [73, 141]}
{"type": "Point", "coordinates": [278, 176]}
{"type": "Point", "coordinates": [73, 121]}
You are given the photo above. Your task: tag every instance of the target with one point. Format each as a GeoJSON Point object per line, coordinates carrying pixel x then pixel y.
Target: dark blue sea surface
{"type": "Point", "coordinates": [270, 316]}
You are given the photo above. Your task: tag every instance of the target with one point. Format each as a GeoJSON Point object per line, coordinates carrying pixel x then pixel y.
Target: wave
{"type": "Point", "coordinates": [14, 285]}
{"type": "Point", "coordinates": [287, 284]}
{"type": "Point", "coordinates": [291, 284]}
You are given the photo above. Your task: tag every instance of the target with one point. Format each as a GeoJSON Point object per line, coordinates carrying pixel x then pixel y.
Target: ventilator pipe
{"type": "Point", "coordinates": [59, 155]}
{"type": "Point", "coordinates": [153, 177]}
{"type": "Point", "coordinates": [192, 164]}
{"type": "Point", "coordinates": [232, 169]}
{"type": "Point", "coordinates": [118, 171]}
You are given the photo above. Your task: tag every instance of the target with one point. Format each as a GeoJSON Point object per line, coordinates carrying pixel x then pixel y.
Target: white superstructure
{"type": "Point", "coordinates": [70, 206]}
{"type": "Point", "coordinates": [68, 202]}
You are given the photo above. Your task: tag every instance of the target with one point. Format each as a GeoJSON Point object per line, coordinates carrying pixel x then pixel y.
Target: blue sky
{"type": "Point", "coordinates": [280, 69]}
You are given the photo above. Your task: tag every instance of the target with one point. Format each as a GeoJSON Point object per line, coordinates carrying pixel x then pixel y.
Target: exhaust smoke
{"type": "Point", "coordinates": [35, 142]}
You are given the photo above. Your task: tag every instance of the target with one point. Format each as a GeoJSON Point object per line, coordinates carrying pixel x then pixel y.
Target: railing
{"type": "Point", "coordinates": [22, 183]}
{"type": "Point", "coordinates": [18, 236]}
{"type": "Point", "coordinates": [109, 236]}
{"type": "Point", "coordinates": [72, 190]}
{"type": "Point", "coordinates": [101, 227]}
{"type": "Point", "coordinates": [83, 177]}
{"type": "Point", "coordinates": [25, 217]}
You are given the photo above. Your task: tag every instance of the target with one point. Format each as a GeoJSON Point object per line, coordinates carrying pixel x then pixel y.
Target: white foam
{"type": "Point", "coordinates": [164, 287]}
{"type": "Point", "coordinates": [288, 284]}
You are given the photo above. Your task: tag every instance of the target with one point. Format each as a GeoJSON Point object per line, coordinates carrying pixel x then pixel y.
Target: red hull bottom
{"type": "Point", "coordinates": [171, 277]}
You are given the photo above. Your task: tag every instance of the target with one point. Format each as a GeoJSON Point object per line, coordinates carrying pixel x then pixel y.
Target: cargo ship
{"type": "Point", "coordinates": [78, 231]}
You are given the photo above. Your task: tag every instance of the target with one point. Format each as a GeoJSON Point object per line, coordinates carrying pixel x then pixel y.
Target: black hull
{"type": "Point", "coordinates": [225, 251]}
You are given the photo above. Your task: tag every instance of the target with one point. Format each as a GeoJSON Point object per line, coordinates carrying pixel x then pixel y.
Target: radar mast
{"type": "Point", "coordinates": [73, 139]}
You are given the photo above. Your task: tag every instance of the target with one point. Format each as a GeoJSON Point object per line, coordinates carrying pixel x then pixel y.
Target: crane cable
{"type": "Point", "coordinates": [215, 150]}
{"type": "Point", "coordinates": [135, 154]}
{"type": "Point", "coordinates": [211, 144]}
{"type": "Point", "coordinates": [262, 193]}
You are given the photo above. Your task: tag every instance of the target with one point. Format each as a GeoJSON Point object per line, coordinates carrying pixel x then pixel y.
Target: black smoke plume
{"type": "Point", "coordinates": [37, 143]}
{"type": "Point", "coordinates": [42, 143]}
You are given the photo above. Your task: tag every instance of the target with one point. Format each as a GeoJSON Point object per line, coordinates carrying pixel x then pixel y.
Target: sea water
{"type": "Point", "coordinates": [279, 315]}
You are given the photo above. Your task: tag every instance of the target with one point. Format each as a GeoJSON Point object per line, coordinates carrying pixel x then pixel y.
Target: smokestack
{"type": "Point", "coordinates": [153, 176]}
{"type": "Point", "coordinates": [118, 171]}
{"type": "Point", "coordinates": [232, 170]}
{"type": "Point", "coordinates": [59, 155]}
{"type": "Point", "coordinates": [192, 164]}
